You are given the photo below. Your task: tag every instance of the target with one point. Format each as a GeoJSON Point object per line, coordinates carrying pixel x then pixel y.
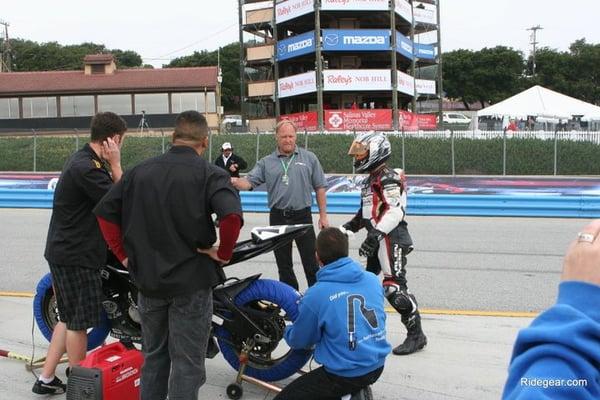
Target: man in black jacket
{"type": "Point", "coordinates": [230, 162]}
{"type": "Point", "coordinates": [156, 220]}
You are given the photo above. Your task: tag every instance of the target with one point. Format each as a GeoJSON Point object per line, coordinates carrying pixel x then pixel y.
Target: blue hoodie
{"type": "Point", "coordinates": [558, 355]}
{"type": "Point", "coordinates": [343, 316]}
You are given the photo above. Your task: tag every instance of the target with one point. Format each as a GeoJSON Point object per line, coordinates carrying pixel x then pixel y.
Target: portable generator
{"type": "Point", "coordinates": [111, 372]}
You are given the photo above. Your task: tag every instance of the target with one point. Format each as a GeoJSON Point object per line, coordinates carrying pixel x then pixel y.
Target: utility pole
{"type": "Point", "coordinates": [5, 51]}
{"type": "Point", "coordinates": [219, 91]}
{"type": "Point", "coordinates": [534, 42]}
{"type": "Point", "coordinates": [440, 69]}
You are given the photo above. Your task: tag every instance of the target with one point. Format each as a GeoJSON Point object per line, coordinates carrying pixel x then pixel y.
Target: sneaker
{"type": "Point", "coordinates": [54, 387]}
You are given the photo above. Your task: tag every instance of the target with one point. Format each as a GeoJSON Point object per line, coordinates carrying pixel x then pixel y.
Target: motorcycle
{"type": "Point", "coordinates": [249, 314]}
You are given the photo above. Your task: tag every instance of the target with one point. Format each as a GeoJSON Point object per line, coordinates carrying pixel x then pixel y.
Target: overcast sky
{"type": "Point", "coordinates": [165, 30]}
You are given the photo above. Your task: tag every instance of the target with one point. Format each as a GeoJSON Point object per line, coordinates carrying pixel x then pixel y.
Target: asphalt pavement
{"type": "Point", "coordinates": [469, 275]}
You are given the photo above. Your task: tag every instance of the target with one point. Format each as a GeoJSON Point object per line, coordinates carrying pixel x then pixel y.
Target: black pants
{"type": "Point", "coordinates": [306, 247]}
{"type": "Point", "coordinates": [322, 385]}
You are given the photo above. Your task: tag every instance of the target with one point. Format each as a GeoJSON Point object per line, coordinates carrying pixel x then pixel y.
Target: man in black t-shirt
{"type": "Point", "coordinates": [157, 221]}
{"type": "Point", "coordinates": [75, 249]}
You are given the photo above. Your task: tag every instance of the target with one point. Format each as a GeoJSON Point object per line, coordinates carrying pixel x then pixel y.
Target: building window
{"type": "Point", "coordinates": [117, 103]}
{"type": "Point", "coordinates": [76, 106]}
{"type": "Point", "coordinates": [39, 107]}
{"type": "Point", "coordinates": [9, 108]}
{"type": "Point", "coordinates": [155, 103]}
{"type": "Point", "coordinates": [187, 101]}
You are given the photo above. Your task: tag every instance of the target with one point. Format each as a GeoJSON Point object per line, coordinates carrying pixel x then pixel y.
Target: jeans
{"type": "Point", "coordinates": [175, 333]}
{"type": "Point", "coordinates": [322, 385]}
{"type": "Point", "coordinates": [306, 247]}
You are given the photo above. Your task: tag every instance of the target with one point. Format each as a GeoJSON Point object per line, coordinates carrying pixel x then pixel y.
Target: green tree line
{"type": "Point", "coordinates": [490, 75]}
{"type": "Point", "coordinates": [27, 55]}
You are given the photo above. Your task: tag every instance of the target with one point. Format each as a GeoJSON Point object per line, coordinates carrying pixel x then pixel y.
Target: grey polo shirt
{"type": "Point", "coordinates": [304, 174]}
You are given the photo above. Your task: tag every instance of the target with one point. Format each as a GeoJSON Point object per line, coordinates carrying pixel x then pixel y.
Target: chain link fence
{"type": "Point", "coordinates": [445, 152]}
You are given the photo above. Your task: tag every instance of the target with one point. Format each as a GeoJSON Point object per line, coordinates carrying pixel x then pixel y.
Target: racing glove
{"type": "Point", "coordinates": [347, 230]}
{"type": "Point", "coordinates": [371, 244]}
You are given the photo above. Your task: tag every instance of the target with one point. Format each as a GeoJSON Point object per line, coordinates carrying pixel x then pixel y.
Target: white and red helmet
{"type": "Point", "coordinates": [370, 150]}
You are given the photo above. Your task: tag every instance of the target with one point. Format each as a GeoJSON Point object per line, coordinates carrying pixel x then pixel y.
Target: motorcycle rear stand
{"type": "Point", "coordinates": [30, 363]}
{"type": "Point", "coordinates": [235, 390]}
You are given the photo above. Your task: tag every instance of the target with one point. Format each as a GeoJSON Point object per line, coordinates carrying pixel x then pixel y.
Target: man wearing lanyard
{"type": "Point", "coordinates": [291, 174]}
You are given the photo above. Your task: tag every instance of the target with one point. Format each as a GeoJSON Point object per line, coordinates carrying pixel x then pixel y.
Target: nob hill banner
{"type": "Point", "coordinates": [356, 79]}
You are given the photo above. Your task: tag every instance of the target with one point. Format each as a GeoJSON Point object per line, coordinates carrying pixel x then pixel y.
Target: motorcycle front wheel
{"type": "Point", "coordinates": [45, 312]}
{"type": "Point", "coordinates": [285, 362]}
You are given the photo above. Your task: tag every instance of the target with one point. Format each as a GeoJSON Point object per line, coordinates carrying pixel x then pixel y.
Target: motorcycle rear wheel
{"type": "Point", "coordinates": [46, 314]}
{"type": "Point", "coordinates": [286, 298]}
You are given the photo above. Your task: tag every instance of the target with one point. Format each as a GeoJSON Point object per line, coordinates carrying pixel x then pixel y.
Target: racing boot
{"type": "Point", "coordinates": [415, 338]}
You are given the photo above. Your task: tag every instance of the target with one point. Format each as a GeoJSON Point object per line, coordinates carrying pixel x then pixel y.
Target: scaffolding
{"type": "Point", "coordinates": [414, 23]}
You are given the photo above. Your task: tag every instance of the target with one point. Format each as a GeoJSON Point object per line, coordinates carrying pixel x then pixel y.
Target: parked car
{"type": "Point", "coordinates": [456, 118]}
{"type": "Point", "coordinates": [232, 120]}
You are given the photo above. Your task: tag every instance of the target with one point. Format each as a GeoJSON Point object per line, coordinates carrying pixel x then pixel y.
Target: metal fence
{"type": "Point", "coordinates": [261, 142]}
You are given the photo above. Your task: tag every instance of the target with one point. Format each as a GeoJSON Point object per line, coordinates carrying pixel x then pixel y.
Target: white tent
{"type": "Point", "coordinates": [543, 103]}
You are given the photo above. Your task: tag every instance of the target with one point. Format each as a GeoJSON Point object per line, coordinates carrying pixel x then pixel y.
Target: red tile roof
{"type": "Point", "coordinates": [122, 81]}
{"type": "Point", "coordinates": [98, 58]}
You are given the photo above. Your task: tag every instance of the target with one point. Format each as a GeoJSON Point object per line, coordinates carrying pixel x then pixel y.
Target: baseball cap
{"type": "Point", "coordinates": [226, 146]}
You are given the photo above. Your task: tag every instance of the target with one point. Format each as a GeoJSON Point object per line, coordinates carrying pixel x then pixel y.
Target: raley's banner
{"type": "Point", "coordinates": [297, 84]}
{"type": "Point", "coordinates": [291, 9]}
{"type": "Point", "coordinates": [356, 40]}
{"type": "Point", "coordinates": [355, 5]}
{"type": "Point", "coordinates": [296, 46]}
{"type": "Point", "coordinates": [356, 79]}
{"type": "Point", "coordinates": [304, 121]}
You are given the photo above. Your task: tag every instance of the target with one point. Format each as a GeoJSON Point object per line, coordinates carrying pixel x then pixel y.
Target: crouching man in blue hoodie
{"type": "Point", "coordinates": [343, 316]}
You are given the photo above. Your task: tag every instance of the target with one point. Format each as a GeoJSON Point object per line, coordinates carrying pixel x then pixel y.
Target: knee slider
{"type": "Point", "coordinates": [402, 301]}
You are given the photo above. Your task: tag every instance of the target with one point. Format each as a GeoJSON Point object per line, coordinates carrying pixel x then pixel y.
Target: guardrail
{"type": "Point", "coordinates": [418, 204]}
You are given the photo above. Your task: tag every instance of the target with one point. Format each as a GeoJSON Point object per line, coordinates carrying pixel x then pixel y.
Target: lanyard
{"type": "Point", "coordinates": [287, 166]}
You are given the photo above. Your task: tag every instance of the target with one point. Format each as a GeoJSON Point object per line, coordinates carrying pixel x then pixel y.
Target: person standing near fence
{"type": "Point", "coordinates": [75, 249]}
{"type": "Point", "coordinates": [230, 162]}
{"type": "Point", "coordinates": [291, 174]}
{"type": "Point", "coordinates": [388, 243]}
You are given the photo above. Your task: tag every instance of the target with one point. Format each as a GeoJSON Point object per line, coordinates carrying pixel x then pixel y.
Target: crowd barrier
{"type": "Point", "coordinates": [418, 204]}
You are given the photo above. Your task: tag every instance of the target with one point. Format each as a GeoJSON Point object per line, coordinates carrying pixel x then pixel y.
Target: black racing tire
{"type": "Point", "coordinates": [46, 316]}
{"type": "Point", "coordinates": [287, 299]}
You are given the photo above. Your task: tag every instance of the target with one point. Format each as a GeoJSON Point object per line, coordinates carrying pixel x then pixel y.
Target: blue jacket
{"type": "Point", "coordinates": [343, 316]}
{"type": "Point", "coordinates": [560, 347]}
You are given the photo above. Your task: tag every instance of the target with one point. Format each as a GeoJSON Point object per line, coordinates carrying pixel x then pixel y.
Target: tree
{"type": "Point", "coordinates": [230, 67]}
{"type": "Point", "coordinates": [127, 58]}
{"type": "Point", "coordinates": [28, 55]}
{"type": "Point", "coordinates": [458, 83]}
{"type": "Point", "coordinates": [497, 73]}
{"type": "Point", "coordinates": [575, 73]}
{"type": "Point", "coordinates": [488, 75]}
